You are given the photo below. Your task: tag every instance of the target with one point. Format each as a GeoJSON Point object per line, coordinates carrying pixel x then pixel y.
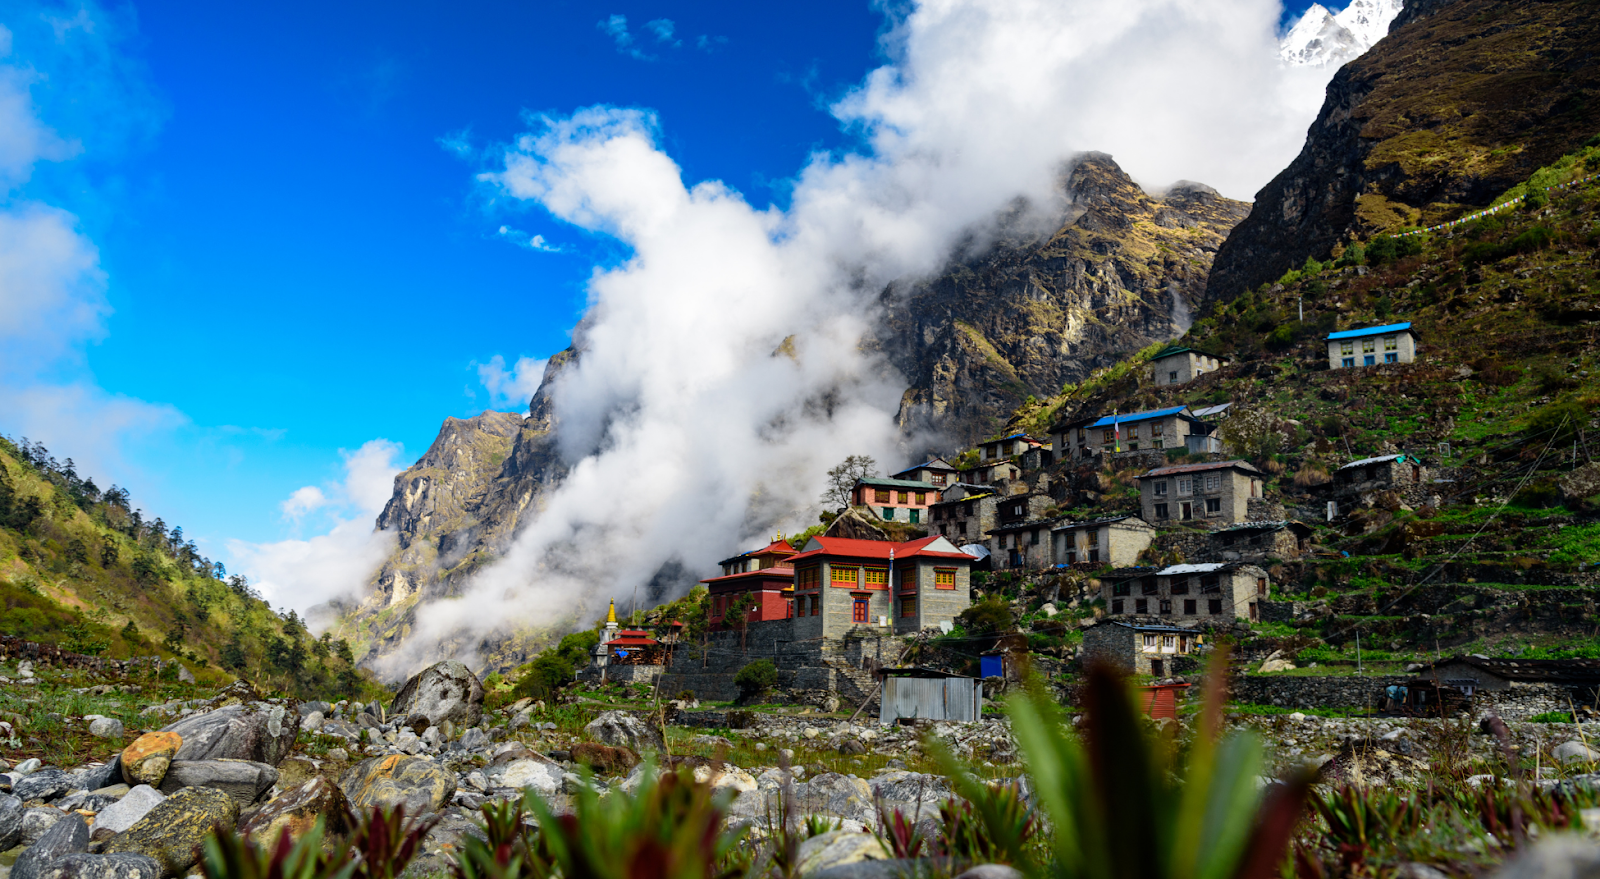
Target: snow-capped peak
{"type": "Point", "coordinates": [1321, 37]}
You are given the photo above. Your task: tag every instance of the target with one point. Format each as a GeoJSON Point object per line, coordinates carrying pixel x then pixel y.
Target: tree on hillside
{"type": "Point", "coordinates": [843, 478]}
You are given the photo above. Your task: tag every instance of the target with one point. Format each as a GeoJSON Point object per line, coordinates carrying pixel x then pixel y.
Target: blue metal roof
{"type": "Point", "coordinates": [1370, 331]}
{"type": "Point", "coordinates": [1136, 416]}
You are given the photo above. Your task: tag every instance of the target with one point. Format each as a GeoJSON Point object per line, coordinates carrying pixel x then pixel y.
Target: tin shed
{"type": "Point", "coordinates": [926, 694]}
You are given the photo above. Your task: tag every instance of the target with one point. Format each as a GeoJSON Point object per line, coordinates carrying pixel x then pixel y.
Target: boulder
{"type": "Point", "coordinates": [46, 784]}
{"type": "Point", "coordinates": [105, 728]}
{"type": "Point", "coordinates": [1580, 484]}
{"type": "Point", "coordinates": [725, 776]}
{"type": "Point", "coordinates": [838, 848]}
{"type": "Point", "coordinates": [842, 795]}
{"type": "Point", "coordinates": [1559, 856]}
{"type": "Point", "coordinates": [172, 832]}
{"type": "Point", "coordinates": [125, 865]}
{"type": "Point", "coordinates": [146, 760]}
{"type": "Point", "coordinates": [992, 871]}
{"type": "Point", "coordinates": [260, 731]}
{"type": "Point", "coordinates": [620, 729]}
{"type": "Point", "coordinates": [126, 812]}
{"type": "Point", "coordinates": [443, 691]}
{"type": "Point", "coordinates": [1575, 752]}
{"type": "Point", "coordinates": [915, 794]}
{"type": "Point", "coordinates": [542, 776]}
{"type": "Point", "coordinates": [10, 822]}
{"type": "Point", "coordinates": [37, 822]}
{"type": "Point", "coordinates": [243, 780]}
{"type": "Point", "coordinates": [422, 785]}
{"type": "Point", "coordinates": [604, 758]}
{"type": "Point", "coordinates": [95, 776]}
{"type": "Point", "coordinates": [65, 837]}
{"type": "Point", "coordinates": [297, 810]}
{"type": "Point", "coordinates": [474, 739]}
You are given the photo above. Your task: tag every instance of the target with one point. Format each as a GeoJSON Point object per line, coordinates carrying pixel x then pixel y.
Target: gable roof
{"type": "Point", "coordinates": [931, 464]}
{"type": "Point", "coordinates": [778, 546]}
{"type": "Point", "coordinates": [878, 482]}
{"type": "Point", "coordinates": [1109, 420]}
{"type": "Point", "coordinates": [1571, 671]}
{"type": "Point", "coordinates": [847, 547]}
{"type": "Point", "coordinates": [1212, 410]}
{"type": "Point", "coordinates": [1370, 331]}
{"type": "Point", "coordinates": [1378, 460]}
{"type": "Point", "coordinates": [1095, 523]}
{"type": "Point", "coordinates": [1235, 464]}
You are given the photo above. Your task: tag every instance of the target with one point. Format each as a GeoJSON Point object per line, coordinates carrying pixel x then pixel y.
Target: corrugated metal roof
{"type": "Point", "coordinates": [1378, 460]}
{"type": "Point", "coordinates": [897, 483]}
{"type": "Point", "coordinates": [1195, 468]}
{"type": "Point", "coordinates": [1369, 331]}
{"type": "Point", "coordinates": [1212, 410]}
{"type": "Point", "coordinates": [1176, 570]}
{"type": "Point", "coordinates": [1091, 523]}
{"type": "Point", "coordinates": [1108, 420]}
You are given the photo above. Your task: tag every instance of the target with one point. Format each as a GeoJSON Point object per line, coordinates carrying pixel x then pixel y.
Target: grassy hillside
{"type": "Point", "coordinates": [81, 568]}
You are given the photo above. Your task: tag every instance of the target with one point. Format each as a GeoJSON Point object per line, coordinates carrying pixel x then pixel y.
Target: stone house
{"type": "Point", "coordinates": [893, 500]}
{"type": "Point", "coordinates": [1216, 492]}
{"type": "Point", "coordinates": [1116, 540]}
{"type": "Point", "coordinates": [1217, 591]}
{"type": "Point", "coordinates": [1370, 346]}
{"type": "Point", "coordinates": [1258, 541]}
{"type": "Point", "coordinates": [841, 584]}
{"type": "Point", "coordinates": [1175, 366]}
{"type": "Point", "coordinates": [1023, 544]}
{"type": "Point", "coordinates": [1111, 434]}
{"type": "Point", "coordinates": [992, 473]}
{"type": "Point", "coordinates": [966, 515]}
{"type": "Point", "coordinates": [1008, 447]}
{"type": "Point", "coordinates": [764, 574]}
{"type": "Point", "coordinates": [937, 472]}
{"type": "Point", "coordinates": [1382, 473]}
{"type": "Point", "coordinates": [1139, 649]}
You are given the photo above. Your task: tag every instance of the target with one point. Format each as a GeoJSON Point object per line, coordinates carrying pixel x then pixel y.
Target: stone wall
{"type": "Point", "coordinates": [1519, 702]}
{"type": "Point", "coordinates": [13, 648]}
{"type": "Point", "coordinates": [1260, 509]}
{"type": "Point", "coordinates": [843, 666]}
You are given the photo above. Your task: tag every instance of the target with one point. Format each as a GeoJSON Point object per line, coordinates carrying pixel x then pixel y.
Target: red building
{"type": "Point", "coordinates": [764, 574]}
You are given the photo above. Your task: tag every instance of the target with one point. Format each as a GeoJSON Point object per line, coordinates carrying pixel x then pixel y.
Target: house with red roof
{"type": "Point", "coordinates": [841, 584]}
{"type": "Point", "coordinates": [764, 574]}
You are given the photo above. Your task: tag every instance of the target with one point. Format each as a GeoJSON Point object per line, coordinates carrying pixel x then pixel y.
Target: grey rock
{"type": "Point", "coordinates": [838, 848]}
{"type": "Point", "coordinates": [258, 731]}
{"type": "Point", "coordinates": [65, 837]}
{"type": "Point", "coordinates": [185, 675]}
{"type": "Point", "coordinates": [1556, 857]}
{"type": "Point", "coordinates": [243, 780]}
{"type": "Point", "coordinates": [173, 831]}
{"type": "Point", "coordinates": [1575, 752]}
{"type": "Point", "coordinates": [46, 784]}
{"type": "Point", "coordinates": [31, 764]}
{"type": "Point", "coordinates": [622, 730]}
{"type": "Point", "coordinates": [37, 822]}
{"type": "Point", "coordinates": [308, 708]}
{"type": "Point", "coordinates": [312, 722]}
{"type": "Point", "coordinates": [443, 691]}
{"type": "Point", "coordinates": [992, 871]}
{"type": "Point", "coordinates": [541, 776]}
{"type": "Point", "coordinates": [123, 865]}
{"type": "Point", "coordinates": [128, 810]}
{"type": "Point", "coordinates": [844, 796]}
{"type": "Point", "coordinates": [99, 775]}
{"type": "Point", "coordinates": [474, 739]}
{"type": "Point", "coordinates": [10, 822]}
{"type": "Point", "coordinates": [886, 869]}
{"type": "Point", "coordinates": [106, 728]}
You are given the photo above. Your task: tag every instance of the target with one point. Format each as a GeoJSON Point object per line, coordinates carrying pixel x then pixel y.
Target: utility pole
{"type": "Point", "coordinates": [1358, 651]}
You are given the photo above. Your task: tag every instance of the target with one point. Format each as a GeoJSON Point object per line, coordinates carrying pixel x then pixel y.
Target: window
{"type": "Point", "coordinates": [807, 577]}
{"type": "Point", "coordinates": [1172, 376]}
{"type": "Point", "coordinates": [1213, 505]}
{"type": "Point", "coordinates": [1017, 509]}
{"type": "Point", "coordinates": [1166, 607]}
{"type": "Point", "coordinates": [888, 514]}
{"type": "Point", "coordinates": [880, 495]}
{"type": "Point", "coordinates": [908, 606]}
{"type": "Point", "coordinates": [1149, 642]}
{"type": "Point", "coordinates": [1347, 347]}
{"type": "Point", "coordinates": [1033, 537]}
{"type": "Point", "coordinates": [1161, 511]}
{"type": "Point", "coordinates": [1159, 443]}
{"type": "Point", "coordinates": [1369, 359]}
{"type": "Point", "coordinates": [1213, 482]}
{"type": "Point", "coordinates": [944, 578]}
{"type": "Point", "coordinates": [1391, 357]}
{"type": "Point", "coordinates": [989, 452]}
{"type": "Point", "coordinates": [789, 609]}
{"type": "Point", "coordinates": [1368, 345]}
{"type": "Point", "coordinates": [916, 516]}
{"type": "Point", "coordinates": [1141, 605]}
{"type": "Point", "coordinates": [938, 479]}
{"type": "Point", "coordinates": [837, 574]}
{"type": "Point", "coordinates": [1116, 606]}
{"type": "Point", "coordinates": [1261, 585]}
{"type": "Point", "coordinates": [1094, 554]}
{"type": "Point", "coordinates": [922, 498]}
{"type": "Point", "coordinates": [1214, 606]}
{"type": "Point", "coordinates": [1210, 583]}
{"type": "Point", "coordinates": [1110, 436]}
{"type": "Point", "coordinates": [1179, 586]}
{"type": "Point", "coordinates": [1083, 434]}
{"type": "Point", "coordinates": [1161, 488]}
{"type": "Point", "coordinates": [858, 610]}
{"type": "Point", "coordinates": [1185, 486]}
{"type": "Point", "coordinates": [1348, 361]}
{"type": "Point", "coordinates": [1169, 642]}
{"type": "Point", "coordinates": [1391, 343]}
{"type": "Point", "coordinates": [1148, 586]}
{"type": "Point", "coordinates": [1133, 445]}
{"type": "Point", "coordinates": [1155, 429]}
{"type": "Point", "coordinates": [1188, 606]}
{"type": "Point", "coordinates": [816, 605]}
{"type": "Point", "coordinates": [1120, 588]}
{"type": "Point", "coordinates": [903, 497]}
{"type": "Point", "coordinates": [877, 576]}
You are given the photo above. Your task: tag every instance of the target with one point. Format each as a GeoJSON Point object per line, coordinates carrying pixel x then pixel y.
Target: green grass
{"type": "Point", "coordinates": [1575, 544]}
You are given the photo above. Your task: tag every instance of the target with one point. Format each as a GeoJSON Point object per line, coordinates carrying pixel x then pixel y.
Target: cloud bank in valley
{"type": "Point", "coordinates": [690, 425]}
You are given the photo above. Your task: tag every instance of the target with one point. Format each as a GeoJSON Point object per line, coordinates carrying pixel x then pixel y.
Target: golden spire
{"type": "Point", "coordinates": [611, 615]}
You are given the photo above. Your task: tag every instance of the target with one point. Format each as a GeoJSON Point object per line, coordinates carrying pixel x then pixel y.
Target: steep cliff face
{"type": "Point", "coordinates": [1460, 101]}
{"type": "Point", "coordinates": [1123, 270]}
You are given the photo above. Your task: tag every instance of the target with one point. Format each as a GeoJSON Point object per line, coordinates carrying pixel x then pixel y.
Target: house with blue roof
{"type": "Point", "coordinates": [1371, 346]}
{"type": "Point", "coordinates": [1127, 432]}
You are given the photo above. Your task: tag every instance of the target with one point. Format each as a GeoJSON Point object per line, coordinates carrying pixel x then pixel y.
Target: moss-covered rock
{"type": "Point", "coordinates": [147, 759]}
{"type": "Point", "coordinates": [171, 832]}
{"type": "Point", "coordinates": [418, 783]}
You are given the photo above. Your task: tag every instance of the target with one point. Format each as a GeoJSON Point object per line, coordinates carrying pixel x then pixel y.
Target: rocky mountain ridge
{"type": "Point", "coordinates": [1322, 37]}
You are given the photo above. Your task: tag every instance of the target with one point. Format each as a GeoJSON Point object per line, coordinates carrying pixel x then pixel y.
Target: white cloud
{"type": "Point", "coordinates": [686, 436]}
{"type": "Point", "coordinates": [663, 29]}
{"type": "Point", "coordinates": [512, 387]}
{"type": "Point", "coordinates": [616, 27]}
{"type": "Point", "coordinates": [707, 43]}
{"type": "Point", "coordinates": [523, 239]}
{"type": "Point", "coordinates": [302, 574]}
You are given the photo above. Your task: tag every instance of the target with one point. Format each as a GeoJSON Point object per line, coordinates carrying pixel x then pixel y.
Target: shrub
{"type": "Point", "coordinates": [1281, 339]}
{"type": "Point", "coordinates": [1551, 717]}
{"type": "Point", "coordinates": [1311, 475]}
{"type": "Point", "coordinates": [756, 677]}
{"type": "Point", "coordinates": [1557, 423]}
{"type": "Point", "coordinates": [990, 616]}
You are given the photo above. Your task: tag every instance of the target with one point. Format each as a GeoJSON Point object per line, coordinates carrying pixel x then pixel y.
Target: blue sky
{"type": "Point", "coordinates": [283, 252]}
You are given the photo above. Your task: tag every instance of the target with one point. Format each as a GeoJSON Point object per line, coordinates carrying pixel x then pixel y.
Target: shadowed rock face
{"type": "Point", "coordinates": [1122, 270]}
{"type": "Point", "coordinates": [1461, 101]}
{"type": "Point", "coordinates": [443, 691]}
